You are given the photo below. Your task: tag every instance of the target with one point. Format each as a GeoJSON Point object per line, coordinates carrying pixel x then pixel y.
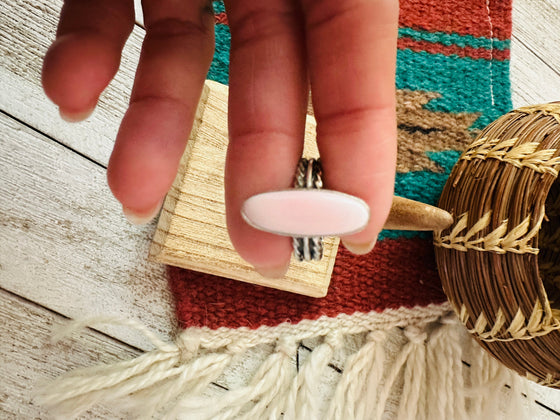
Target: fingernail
{"type": "Point", "coordinates": [274, 272]}
{"type": "Point", "coordinates": [359, 249]}
{"type": "Point", "coordinates": [75, 116]}
{"type": "Point", "coordinates": [141, 218]}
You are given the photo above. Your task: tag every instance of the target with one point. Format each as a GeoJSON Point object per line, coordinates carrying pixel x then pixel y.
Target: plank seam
{"type": "Point", "coordinates": [51, 138]}
{"type": "Point", "coordinates": [528, 48]}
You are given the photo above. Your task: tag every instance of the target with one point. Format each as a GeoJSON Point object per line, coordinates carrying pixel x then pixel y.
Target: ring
{"type": "Point", "coordinates": [308, 176]}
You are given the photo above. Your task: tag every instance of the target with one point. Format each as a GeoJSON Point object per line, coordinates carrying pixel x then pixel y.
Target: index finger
{"type": "Point", "coordinates": [352, 58]}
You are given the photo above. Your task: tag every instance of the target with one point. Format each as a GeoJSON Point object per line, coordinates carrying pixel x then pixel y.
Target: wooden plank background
{"type": "Point", "coordinates": [65, 249]}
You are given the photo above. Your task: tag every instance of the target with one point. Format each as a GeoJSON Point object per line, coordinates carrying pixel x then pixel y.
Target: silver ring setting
{"type": "Point", "coordinates": [308, 176]}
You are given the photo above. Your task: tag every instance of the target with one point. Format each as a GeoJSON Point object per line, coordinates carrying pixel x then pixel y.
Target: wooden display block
{"type": "Point", "coordinates": [191, 231]}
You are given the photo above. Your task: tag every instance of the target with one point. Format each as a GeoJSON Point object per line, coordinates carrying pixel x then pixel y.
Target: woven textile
{"type": "Point", "coordinates": [452, 79]}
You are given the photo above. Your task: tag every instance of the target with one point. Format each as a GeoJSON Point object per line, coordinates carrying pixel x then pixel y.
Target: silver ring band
{"type": "Point", "coordinates": [308, 175]}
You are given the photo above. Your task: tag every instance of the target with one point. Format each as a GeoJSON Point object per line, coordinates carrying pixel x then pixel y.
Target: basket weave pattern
{"type": "Point", "coordinates": [500, 262]}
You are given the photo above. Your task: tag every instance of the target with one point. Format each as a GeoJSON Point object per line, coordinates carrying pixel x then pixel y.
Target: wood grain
{"type": "Point", "coordinates": [533, 81]}
{"type": "Point", "coordinates": [534, 25]}
{"type": "Point", "coordinates": [535, 63]}
{"type": "Point", "coordinates": [192, 230]}
{"type": "Point", "coordinates": [27, 30]}
{"type": "Point", "coordinates": [29, 359]}
{"type": "Point", "coordinates": [64, 243]}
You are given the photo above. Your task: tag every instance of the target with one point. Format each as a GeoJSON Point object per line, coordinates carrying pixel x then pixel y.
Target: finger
{"type": "Point", "coordinates": [86, 53]}
{"type": "Point", "coordinates": [352, 54]}
{"type": "Point", "coordinates": [268, 99]}
{"type": "Point", "coordinates": [176, 55]}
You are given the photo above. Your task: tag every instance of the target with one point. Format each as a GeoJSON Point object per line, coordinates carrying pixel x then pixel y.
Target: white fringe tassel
{"type": "Point", "coordinates": [401, 370]}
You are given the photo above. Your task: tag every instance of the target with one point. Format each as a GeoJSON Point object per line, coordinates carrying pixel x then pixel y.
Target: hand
{"type": "Point", "coordinates": [345, 50]}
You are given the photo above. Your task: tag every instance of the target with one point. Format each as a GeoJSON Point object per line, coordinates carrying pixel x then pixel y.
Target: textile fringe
{"type": "Point", "coordinates": [408, 369]}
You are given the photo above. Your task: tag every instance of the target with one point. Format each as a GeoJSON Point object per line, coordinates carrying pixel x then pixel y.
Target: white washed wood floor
{"type": "Point", "coordinates": [65, 249]}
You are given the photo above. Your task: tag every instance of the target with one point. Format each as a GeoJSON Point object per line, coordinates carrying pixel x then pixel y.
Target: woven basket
{"type": "Point", "coordinates": [500, 262]}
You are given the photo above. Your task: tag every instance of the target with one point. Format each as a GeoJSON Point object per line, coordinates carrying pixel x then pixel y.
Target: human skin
{"type": "Point", "coordinates": [344, 51]}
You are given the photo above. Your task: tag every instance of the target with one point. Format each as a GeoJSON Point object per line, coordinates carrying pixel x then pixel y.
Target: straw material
{"type": "Point", "coordinates": [500, 262]}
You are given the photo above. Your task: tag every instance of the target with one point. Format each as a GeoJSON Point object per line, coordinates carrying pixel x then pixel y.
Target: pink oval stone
{"type": "Point", "coordinates": [306, 212]}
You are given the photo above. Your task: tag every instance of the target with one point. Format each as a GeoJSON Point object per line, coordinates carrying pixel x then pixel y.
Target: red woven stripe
{"type": "Point", "coordinates": [464, 17]}
{"type": "Point", "coordinates": [398, 273]}
{"type": "Point", "coordinates": [221, 18]}
{"type": "Point", "coordinates": [408, 43]}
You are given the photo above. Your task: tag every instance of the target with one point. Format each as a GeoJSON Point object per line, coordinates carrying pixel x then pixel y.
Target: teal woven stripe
{"type": "Point", "coordinates": [468, 90]}
{"type": "Point", "coordinates": [219, 70]}
{"type": "Point", "coordinates": [455, 39]}
{"type": "Point", "coordinates": [426, 186]}
{"type": "Point", "coordinates": [219, 6]}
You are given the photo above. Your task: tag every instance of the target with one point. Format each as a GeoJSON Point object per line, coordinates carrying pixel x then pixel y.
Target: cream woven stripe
{"type": "Point", "coordinates": [522, 156]}
{"type": "Point", "coordinates": [237, 340]}
{"type": "Point", "coordinates": [519, 328]}
{"type": "Point", "coordinates": [500, 240]}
